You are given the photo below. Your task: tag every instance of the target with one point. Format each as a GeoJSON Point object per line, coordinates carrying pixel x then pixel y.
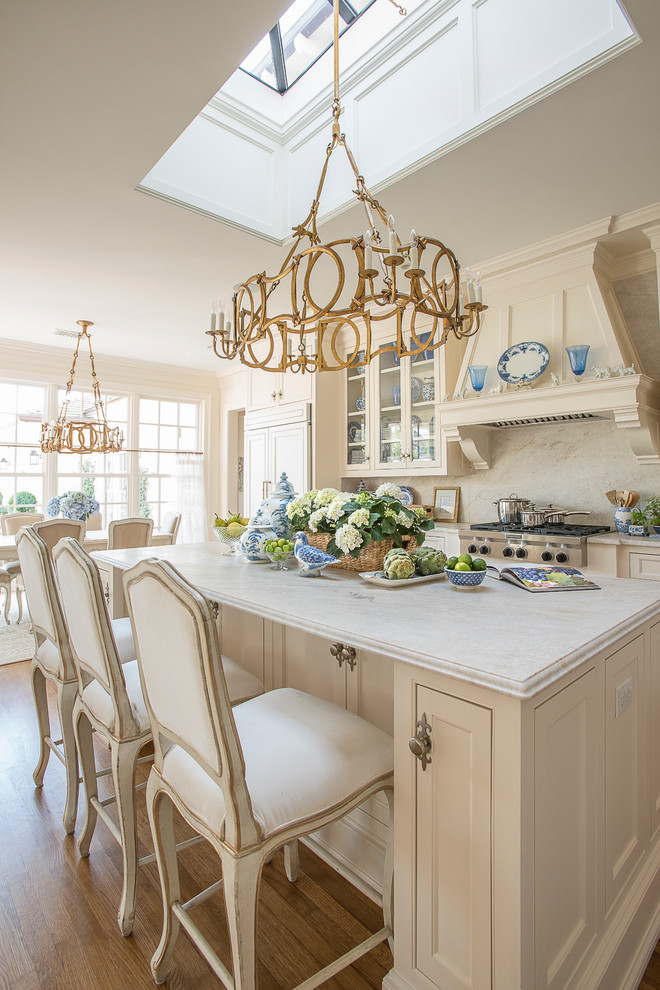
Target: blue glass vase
{"type": "Point", "coordinates": [577, 355]}
{"type": "Point", "coordinates": [478, 375]}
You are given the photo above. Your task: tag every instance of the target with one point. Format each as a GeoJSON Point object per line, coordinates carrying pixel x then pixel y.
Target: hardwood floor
{"type": "Point", "coordinates": [58, 928]}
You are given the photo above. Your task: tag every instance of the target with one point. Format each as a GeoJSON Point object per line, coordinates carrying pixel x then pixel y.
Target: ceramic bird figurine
{"type": "Point", "coordinates": [311, 559]}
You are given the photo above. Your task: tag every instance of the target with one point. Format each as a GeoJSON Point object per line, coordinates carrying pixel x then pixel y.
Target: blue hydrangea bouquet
{"type": "Point", "coordinates": [72, 505]}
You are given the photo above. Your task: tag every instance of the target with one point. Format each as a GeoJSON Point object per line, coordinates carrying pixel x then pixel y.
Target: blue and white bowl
{"type": "Point", "coordinates": [465, 579]}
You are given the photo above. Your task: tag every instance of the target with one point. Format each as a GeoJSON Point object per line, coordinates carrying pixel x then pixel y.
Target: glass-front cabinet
{"type": "Point", "coordinates": [357, 419]}
{"type": "Point", "coordinates": [390, 415]}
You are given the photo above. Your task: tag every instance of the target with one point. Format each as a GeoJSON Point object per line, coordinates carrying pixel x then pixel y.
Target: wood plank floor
{"type": "Point", "coordinates": [58, 927]}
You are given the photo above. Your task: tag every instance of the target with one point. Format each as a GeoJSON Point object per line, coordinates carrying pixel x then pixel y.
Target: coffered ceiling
{"type": "Point", "coordinates": [91, 96]}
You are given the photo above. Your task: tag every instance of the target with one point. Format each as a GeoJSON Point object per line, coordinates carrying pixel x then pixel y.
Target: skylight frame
{"type": "Point", "coordinates": [347, 13]}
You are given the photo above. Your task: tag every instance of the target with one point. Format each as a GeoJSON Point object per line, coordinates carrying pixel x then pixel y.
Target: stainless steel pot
{"type": "Point", "coordinates": [509, 509]}
{"type": "Point", "coordinates": [547, 517]}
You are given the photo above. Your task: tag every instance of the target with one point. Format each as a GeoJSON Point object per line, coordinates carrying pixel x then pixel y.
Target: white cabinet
{"type": "Point", "coordinates": [271, 390]}
{"type": "Point", "coordinates": [453, 840]}
{"type": "Point", "coordinates": [270, 450]}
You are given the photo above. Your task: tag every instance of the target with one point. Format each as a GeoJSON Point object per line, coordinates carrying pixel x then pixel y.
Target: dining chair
{"type": "Point", "coordinates": [171, 523]}
{"type": "Point", "coordinates": [95, 522]}
{"type": "Point", "coordinates": [132, 532]}
{"type": "Point", "coordinates": [248, 779]}
{"type": "Point", "coordinates": [52, 531]}
{"type": "Point", "coordinates": [12, 521]}
{"type": "Point", "coordinates": [5, 583]}
{"type": "Point", "coordinates": [53, 661]}
{"type": "Point", "coordinates": [110, 702]}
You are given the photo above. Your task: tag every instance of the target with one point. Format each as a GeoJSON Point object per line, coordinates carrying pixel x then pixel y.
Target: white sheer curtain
{"type": "Point", "coordinates": [191, 499]}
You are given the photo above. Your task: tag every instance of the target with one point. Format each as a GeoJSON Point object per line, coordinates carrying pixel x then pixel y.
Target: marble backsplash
{"type": "Point", "coordinates": [570, 465]}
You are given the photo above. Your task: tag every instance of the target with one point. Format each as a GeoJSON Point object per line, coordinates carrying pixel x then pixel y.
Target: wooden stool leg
{"type": "Point", "coordinates": [291, 861]}
{"type": "Point", "coordinates": [84, 739]}
{"type": "Point", "coordinates": [161, 820]}
{"type": "Point", "coordinates": [7, 590]}
{"type": "Point", "coordinates": [241, 889]}
{"type": "Point", "coordinates": [66, 696]}
{"type": "Point", "coordinates": [388, 872]}
{"type": "Point", "coordinates": [41, 706]}
{"type": "Point", "coordinates": [124, 756]}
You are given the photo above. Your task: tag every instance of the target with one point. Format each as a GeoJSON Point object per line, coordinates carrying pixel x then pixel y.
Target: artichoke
{"type": "Point", "coordinates": [428, 560]}
{"type": "Point", "coordinates": [398, 566]}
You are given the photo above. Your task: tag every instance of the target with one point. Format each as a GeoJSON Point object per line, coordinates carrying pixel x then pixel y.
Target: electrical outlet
{"type": "Point", "coordinates": [624, 697]}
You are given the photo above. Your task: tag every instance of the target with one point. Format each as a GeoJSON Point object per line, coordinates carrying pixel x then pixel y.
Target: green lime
{"type": "Point", "coordinates": [451, 563]}
{"type": "Point", "coordinates": [479, 564]}
{"type": "Point", "coordinates": [465, 558]}
{"type": "Point", "coordinates": [462, 565]}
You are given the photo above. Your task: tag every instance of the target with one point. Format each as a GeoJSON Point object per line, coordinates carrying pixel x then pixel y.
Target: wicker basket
{"type": "Point", "coordinates": [369, 559]}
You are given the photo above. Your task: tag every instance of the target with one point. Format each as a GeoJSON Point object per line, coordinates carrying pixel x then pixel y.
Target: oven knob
{"type": "Point", "coordinates": [561, 556]}
{"type": "Point", "coordinates": [484, 549]}
{"type": "Point", "coordinates": [547, 555]}
{"type": "Point", "coordinates": [507, 552]}
{"type": "Point", "coordinates": [472, 548]}
{"type": "Point", "coordinates": [521, 552]}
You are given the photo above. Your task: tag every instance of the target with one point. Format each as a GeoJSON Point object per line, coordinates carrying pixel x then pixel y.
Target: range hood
{"type": "Point", "coordinates": [558, 293]}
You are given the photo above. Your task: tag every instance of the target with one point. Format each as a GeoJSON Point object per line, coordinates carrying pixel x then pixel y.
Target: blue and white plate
{"type": "Point", "coordinates": [354, 431]}
{"type": "Point", "coordinates": [415, 389]}
{"type": "Point", "coordinates": [523, 363]}
{"type": "Point", "coordinates": [407, 497]}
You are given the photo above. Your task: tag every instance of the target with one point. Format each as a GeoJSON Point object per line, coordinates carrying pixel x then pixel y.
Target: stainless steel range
{"type": "Point", "coordinates": [564, 544]}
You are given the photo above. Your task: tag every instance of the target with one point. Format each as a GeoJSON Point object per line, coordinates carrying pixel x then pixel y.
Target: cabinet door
{"type": "Point", "coordinates": [256, 468]}
{"type": "Point", "coordinates": [645, 566]}
{"type": "Point", "coordinates": [263, 387]}
{"type": "Point", "coordinates": [294, 388]}
{"type": "Point", "coordinates": [422, 426]}
{"type": "Point", "coordinates": [288, 450]}
{"type": "Point", "coordinates": [452, 869]}
{"type": "Point", "coordinates": [565, 839]}
{"type": "Point", "coordinates": [625, 827]}
{"type": "Point", "coordinates": [390, 423]}
{"type": "Point", "coordinates": [356, 434]}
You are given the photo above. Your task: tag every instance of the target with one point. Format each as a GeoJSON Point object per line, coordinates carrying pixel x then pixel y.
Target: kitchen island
{"type": "Point", "coordinates": [527, 850]}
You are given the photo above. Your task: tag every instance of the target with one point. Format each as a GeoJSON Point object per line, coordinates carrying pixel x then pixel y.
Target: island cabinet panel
{"type": "Point", "coordinates": [654, 728]}
{"type": "Point", "coordinates": [625, 818]}
{"type": "Point", "coordinates": [363, 685]}
{"type": "Point", "coordinates": [453, 844]}
{"type": "Point", "coordinates": [242, 639]}
{"type": "Point", "coordinates": [565, 834]}
{"type": "Point", "coordinates": [113, 591]}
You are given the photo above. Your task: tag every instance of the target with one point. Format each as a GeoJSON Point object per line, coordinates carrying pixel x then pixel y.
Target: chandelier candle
{"type": "Point", "coordinates": [340, 304]}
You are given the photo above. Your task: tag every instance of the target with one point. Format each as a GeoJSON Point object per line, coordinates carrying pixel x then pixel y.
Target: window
{"type": "Point", "coordinates": [21, 467]}
{"type": "Point", "coordinates": [164, 428]}
{"type": "Point", "coordinates": [104, 477]}
{"type": "Point", "coordinates": [299, 38]}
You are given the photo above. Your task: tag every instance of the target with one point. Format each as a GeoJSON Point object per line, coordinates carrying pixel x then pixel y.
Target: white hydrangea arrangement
{"type": "Point", "coordinates": [353, 520]}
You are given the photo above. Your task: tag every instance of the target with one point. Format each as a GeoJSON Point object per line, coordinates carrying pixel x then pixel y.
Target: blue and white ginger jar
{"type": "Point", "coordinates": [255, 537]}
{"type": "Point", "coordinates": [273, 509]}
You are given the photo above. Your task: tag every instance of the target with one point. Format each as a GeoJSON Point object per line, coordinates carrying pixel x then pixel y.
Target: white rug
{"type": "Point", "coordinates": [16, 640]}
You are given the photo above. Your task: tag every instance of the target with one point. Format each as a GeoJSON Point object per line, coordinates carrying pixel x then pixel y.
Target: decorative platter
{"type": "Point", "coordinates": [354, 431]}
{"type": "Point", "coordinates": [415, 389]}
{"type": "Point", "coordinates": [407, 497]}
{"type": "Point", "coordinates": [524, 362]}
{"type": "Point", "coordinates": [378, 577]}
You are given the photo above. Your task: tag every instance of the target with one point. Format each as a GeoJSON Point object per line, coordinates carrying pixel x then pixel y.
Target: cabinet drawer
{"type": "Point", "coordinates": [645, 566]}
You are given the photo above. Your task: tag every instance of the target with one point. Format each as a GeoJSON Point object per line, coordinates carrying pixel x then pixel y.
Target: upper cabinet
{"type": "Point", "coordinates": [390, 413]}
{"type": "Point", "coordinates": [270, 390]}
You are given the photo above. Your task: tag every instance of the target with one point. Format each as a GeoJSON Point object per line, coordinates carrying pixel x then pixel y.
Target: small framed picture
{"type": "Point", "coordinates": [445, 504]}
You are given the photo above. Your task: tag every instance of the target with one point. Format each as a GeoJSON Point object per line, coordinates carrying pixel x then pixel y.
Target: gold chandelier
{"type": "Point", "coordinates": [292, 322]}
{"type": "Point", "coordinates": [68, 436]}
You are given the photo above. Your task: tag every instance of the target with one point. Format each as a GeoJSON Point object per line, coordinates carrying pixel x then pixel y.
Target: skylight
{"type": "Point", "coordinates": [298, 39]}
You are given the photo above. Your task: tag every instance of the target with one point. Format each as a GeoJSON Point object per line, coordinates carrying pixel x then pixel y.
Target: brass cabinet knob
{"type": "Point", "coordinates": [420, 744]}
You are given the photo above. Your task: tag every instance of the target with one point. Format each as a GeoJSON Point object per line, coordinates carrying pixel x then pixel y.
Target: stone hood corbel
{"type": "Point", "coordinates": [558, 293]}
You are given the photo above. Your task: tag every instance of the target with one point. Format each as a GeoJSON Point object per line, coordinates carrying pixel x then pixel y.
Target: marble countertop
{"type": "Point", "coordinates": [624, 540]}
{"type": "Point", "coordinates": [495, 635]}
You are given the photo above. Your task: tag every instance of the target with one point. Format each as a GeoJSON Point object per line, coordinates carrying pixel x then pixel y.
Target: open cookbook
{"type": "Point", "coordinates": [543, 578]}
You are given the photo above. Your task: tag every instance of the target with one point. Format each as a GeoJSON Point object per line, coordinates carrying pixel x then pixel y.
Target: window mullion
{"type": "Point", "coordinates": [278, 58]}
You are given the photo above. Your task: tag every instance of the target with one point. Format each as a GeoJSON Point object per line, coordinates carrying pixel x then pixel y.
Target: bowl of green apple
{"type": "Point", "coordinates": [279, 552]}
